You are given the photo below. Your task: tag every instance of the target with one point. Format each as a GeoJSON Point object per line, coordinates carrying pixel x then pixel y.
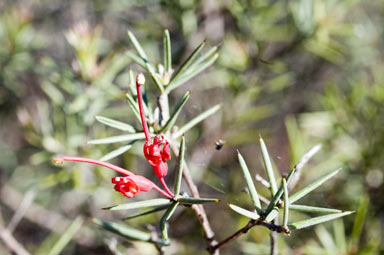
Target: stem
{"type": "Point", "coordinates": [243, 230]}
{"type": "Point", "coordinates": [162, 192]}
{"type": "Point", "coordinates": [139, 82]}
{"type": "Point", "coordinates": [60, 160]}
{"type": "Point", "coordinates": [166, 187]}
{"type": "Point", "coordinates": [273, 238]}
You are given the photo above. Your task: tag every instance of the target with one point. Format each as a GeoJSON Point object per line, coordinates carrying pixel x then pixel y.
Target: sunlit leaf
{"type": "Point", "coordinates": [313, 209]}
{"type": "Point", "coordinates": [268, 166]}
{"type": "Point", "coordinates": [317, 220]}
{"type": "Point", "coordinates": [286, 203]}
{"type": "Point", "coordinates": [244, 212]}
{"type": "Point", "coordinates": [167, 52]}
{"type": "Point", "coordinates": [118, 139]}
{"type": "Point", "coordinates": [116, 152]}
{"type": "Point", "coordinates": [115, 124]}
{"type": "Point", "coordinates": [171, 121]}
{"type": "Point", "coordinates": [196, 120]}
{"type": "Point", "coordinates": [192, 200]}
{"type": "Point", "coordinates": [301, 193]}
{"type": "Point", "coordinates": [251, 187]}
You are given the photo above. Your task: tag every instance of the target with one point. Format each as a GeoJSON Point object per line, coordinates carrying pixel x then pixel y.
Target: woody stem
{"type": "Point", "coordinates": [141, 108]}
{"type": "Point", "coordinates": [166, 187]}
{"type": "Point", "coordinates": [60, 160]}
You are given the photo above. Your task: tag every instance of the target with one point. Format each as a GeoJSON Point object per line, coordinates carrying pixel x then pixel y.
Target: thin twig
{"type": "Point", "coordinates": [273, 238]}
{"type": "Point", "coordinates": [263, 181]}
{"type": "Point", "coordinates": [21, 210]}
{"type": "Point", "coordinates": [271, 226]}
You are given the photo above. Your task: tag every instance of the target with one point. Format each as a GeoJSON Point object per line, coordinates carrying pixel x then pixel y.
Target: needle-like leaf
{"type": "Point", "coordinates": [163, 222]}
{"type": "Point", "coordinates": [268, 166]}
{"type": "Point", "coordinates": [146, 212]}
{"type": "Point", "coordinates": [137, 45]}
{"type": "Point", "coordinates": [139, 204]}
{"type": "Point", "coordinates": [317, 220]}
{"type": "Point", "coordinates": [189, 74]}
{"type": "Point", "coordinates": [192, 200]}
{"type": "Point", "coordinates": [157, 82]}
{"type": "Point", "coordinates": [196, 120]}
{"type": "Point", "coordinates": [116, 152]}
{"type": "Point", "coordinates": [115, 124]}
{"type": "Point", "coordinates": [250, 185]}
{"type": "Point", "coordinates": [244, 212]}
{"type": "Point", "coordinates": [180, 162]}
{"type": "Point", "coordinates": [301, 193]}
{"type": "Point", "coordinates": [167, 52]}
{"type": "Point", "coordinates": [272, 214]}
{"type": "Point", "coordinates": [118, 139]}
{"type": "Point", "coordinates": [313, 209]}
{"type": "Point", "coordinates": [171, 121]}
{"type": "Point", "coordinates": [187, 62]}
{"type": "Point", "coordinates": [133, 106]}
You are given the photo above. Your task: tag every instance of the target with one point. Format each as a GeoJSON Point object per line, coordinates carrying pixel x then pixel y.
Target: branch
{"type": "Point", "coordinates": [271, 226]}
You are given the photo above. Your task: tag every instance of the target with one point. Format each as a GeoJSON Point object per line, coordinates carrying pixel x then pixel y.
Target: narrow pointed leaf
{"type": "Point", "coordinates": [196, 121]}
{"type": "Point", "coordinates": [167, 215]}
{"type": "Point", "coordinates": [244, 212]}
{"type": "Point", "coordinates": [171, 121]}
{"type": "Point", "coordinates": [140, 204]}
{"type": "Point", "coordinates": [66, 237]}
{"type": "Point", "coordinates": [313, 209]}
{"type": "Point", "coordinates": [137, 45]}
{"type": "Point", "coordinates": [180, 162]}
{"type": "Point", "coordinates": [187, 62]}
{"type": "Point", "coordinates": [118, 139]}
{"type": "Point", "coordinates": [157, 82]}
{"type": "Point", "coordinates": [192, 200]}
{"type": "Point", "coordinates": [132, 82]}
{"type": "Point", "coordinates": [280, 191]}
{"type": "Point", "coordinates": [115, 124]}
{"type": "Point", "coordinates": [116, 152]}
{"type": "Point", "coordinates": [286, 203]}
{"type": "Point", "coordinates": [211, 52]}
{"type": "Point", "coordinates": [301, 193]}
{"type": "Point", "coordinates": [167, 52]}
{"type": "Point", "coordinates": [138, 60]}
{"type": "Point", "coordinates": [359, 221]}
{"type": "Point", "coordinates": [146, 212]}
{"type": "Point", "coordinates": [133, 106]}
{"type": "Point", "coordinates": [191, 73]}
{"type": "Point", "coordinates": [272, 214]}
{"type": "Point", "coordinates": [317, 220]}
{"type": "Point", "coordinates": [250, 185]}
{"type": "Point", "coordinates": [124, 230]}
{"type": "Point", "coordinates": [268, 166]}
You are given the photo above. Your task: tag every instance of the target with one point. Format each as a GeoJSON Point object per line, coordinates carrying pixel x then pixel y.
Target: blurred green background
{"type": "Point", "coordinates": [299, 72]}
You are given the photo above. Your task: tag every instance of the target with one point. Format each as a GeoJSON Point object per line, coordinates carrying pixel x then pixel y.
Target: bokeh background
{"type": "Point", "coordinates": [298, 72]}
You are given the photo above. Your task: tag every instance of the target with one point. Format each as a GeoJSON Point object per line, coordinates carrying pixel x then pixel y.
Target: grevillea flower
{"type": "Point", "coordinates": [129, 185]}
{"type": "Point", "coordinates": [157, 152]}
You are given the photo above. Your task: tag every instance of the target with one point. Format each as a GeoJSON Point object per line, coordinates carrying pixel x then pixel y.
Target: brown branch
{"type": "Point", "coordinates": [273, 238]}
{"type": "Point", "coordinates": [209, 235]}
{"type": "Point", "coordinates": [271, 226]}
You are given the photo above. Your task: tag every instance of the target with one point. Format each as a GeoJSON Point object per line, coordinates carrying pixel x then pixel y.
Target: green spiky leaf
{"type": "Point", "coordinates": [171, 121]}
{"type": "Point", "coordinates": [179, 173]}
{"type": "Point", "coordinates": [139, 204]}
{"type": "Point", "coordinates": [244, 212]}
{"type": "Point", "coordinates": [192, 200]}
{"type": "Point", "coordinates": [268, 166]}
{"type": "Point", "coordinates": [317, 220]}
{"type": "Point", "coordinates": [163, 222]}
{"type": "Point", "coordinates": [115, 124]}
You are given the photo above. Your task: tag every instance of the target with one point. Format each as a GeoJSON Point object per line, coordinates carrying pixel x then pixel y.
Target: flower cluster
{"type": "Point", "coordinates": [157, 152]}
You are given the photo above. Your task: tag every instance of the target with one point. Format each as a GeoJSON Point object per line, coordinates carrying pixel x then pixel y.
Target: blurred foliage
{"type": "Point", "coordinates": [299, 72]}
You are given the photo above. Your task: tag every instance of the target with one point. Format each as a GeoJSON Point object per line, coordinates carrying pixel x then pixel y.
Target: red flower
{"type": "Point", "coordinates": [132, 185]}
{"type": "Point", "coordinates": [157, 152]}
{"type": "Point", "coordinates": [129, 185]}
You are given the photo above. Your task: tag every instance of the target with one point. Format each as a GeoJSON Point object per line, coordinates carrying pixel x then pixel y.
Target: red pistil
{"type": "Point", "coordinates": [129, 185]}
